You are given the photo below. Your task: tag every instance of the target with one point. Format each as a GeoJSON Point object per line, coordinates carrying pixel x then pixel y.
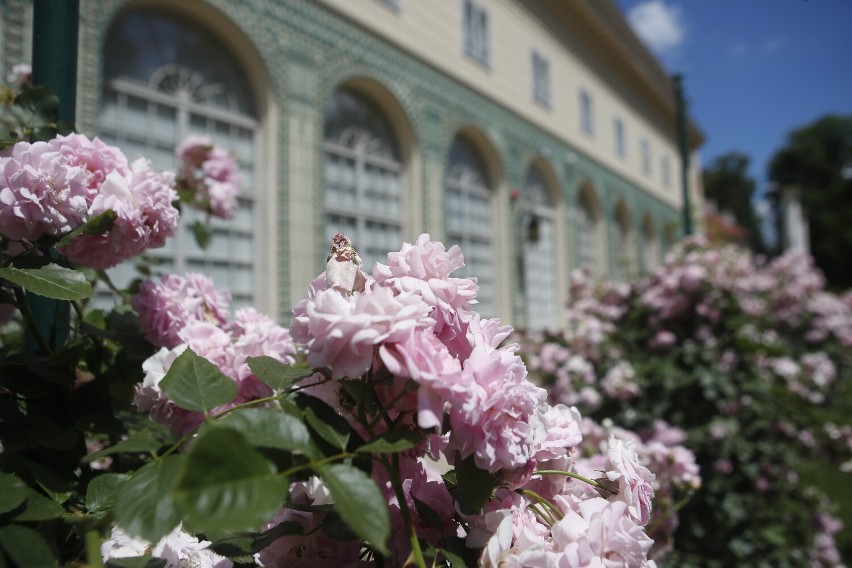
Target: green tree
{"type": "Point", "coordinates": [817, 159]}
{"type": "Point", "coordinates": [728, 185]}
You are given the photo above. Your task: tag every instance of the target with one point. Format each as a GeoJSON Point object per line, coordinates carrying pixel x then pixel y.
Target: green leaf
{"type": "Point", "coordinates": [475, 485]}
{"type": "Point", "coordinates": [101, 491]}
{"type": "Point", "coordinates": [248, 543]}
{"type": "Point", "coordinates": [39, 508]}
{"type": "Point", "coordinates": [13, 492]}
{"type": "Point", "coordinates": [360, 503]}
{"type": "Point", "coordinates": [276, 374]}
{"type": "Point", "coordinates": [52, 281]}
{"type": "Point", "coordinates": [203, 234]}
{"type": "Point", "coordinates": [226, 485]}
{"type": "Point", "coordinates": [25, 546]}
{"type": "Point", "coordinates": [36, 109]}
{"type": "Point", "coordinates": [330, 426]}
{"type": "Point", "coordinates": [269, 428]}
{"type": "Point", "coordinates": [391, 442]}
{"type": "Point", "coordinates": [95, 226]}
{"type": "Point", "coordinates": [144, 506]}
{"type": "Point", "coordinates": [196, 384]}
{"type": "Point", "coordinates": [144, 441]}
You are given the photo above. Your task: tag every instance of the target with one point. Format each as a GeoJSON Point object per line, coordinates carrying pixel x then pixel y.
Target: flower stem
{"type": "Point", "coordinates": [591, 482]}
{"type": "Point", "coordinates": [396, 483]}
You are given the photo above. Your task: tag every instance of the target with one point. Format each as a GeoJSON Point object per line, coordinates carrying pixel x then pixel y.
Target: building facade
{"type": "Point", "coordinates": [537, 135]}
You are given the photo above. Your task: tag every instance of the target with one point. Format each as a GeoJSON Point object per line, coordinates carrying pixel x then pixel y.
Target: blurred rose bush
{"type": "Point", "coordinates": [743, 359]}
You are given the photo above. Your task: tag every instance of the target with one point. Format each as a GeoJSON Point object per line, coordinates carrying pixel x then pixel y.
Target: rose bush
{"type": "Point", "coordinates": [746, 361]}
{"type": "Point", "coordinates": [390, 424]}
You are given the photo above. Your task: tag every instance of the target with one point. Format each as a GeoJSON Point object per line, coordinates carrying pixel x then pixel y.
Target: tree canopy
{"type": "Point", "coordinates": [817, 159]}
{"type": "Point", "coordinates": [728, 185]}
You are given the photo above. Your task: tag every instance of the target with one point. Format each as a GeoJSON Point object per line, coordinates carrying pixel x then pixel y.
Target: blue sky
{"type": "Point", "coordinates": [754, 69]}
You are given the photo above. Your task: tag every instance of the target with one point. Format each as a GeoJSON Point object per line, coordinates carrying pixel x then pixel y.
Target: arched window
{"type": "Point", "coordinates": [622, 245]}
{"type": "Point", "coordinates": [166, 78]}
{"type": "Point", "coordinates": [539, 252]}
{"type": "Point", "coordinates": [470, 218]}
{"type": "Point", "coordinates": [587, 234]}
{"type": "Point", "coordinates": [650, 252]}
{"type": "Point", "coordinates": [363, 177]}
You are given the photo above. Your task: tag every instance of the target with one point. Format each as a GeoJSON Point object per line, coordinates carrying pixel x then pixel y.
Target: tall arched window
{"type": "Point", "coordinates": [622, 245]}
{"type": "Point", "coordinates": [166, 78]}
{"type": "Point", "coordinates": [363, 177]}
{"type": "Point", "coordinates": [650, 252]}
{"type": "Point", "coordinates": [470, 218]}
{"type": "Point", "coordinates": [539, 252]}
{"type": "Point", "coordinates": [587, 233]}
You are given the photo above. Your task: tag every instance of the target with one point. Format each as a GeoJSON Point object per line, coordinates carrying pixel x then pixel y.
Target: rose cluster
{"type": "Point", "coordinates": [435, 368]}
{"type": "Point", "coordinates": [208, 176]}
{"type": "Point", "coordinates": [188, 312]}
{"type": "Point", "coordinates": [48, 189]}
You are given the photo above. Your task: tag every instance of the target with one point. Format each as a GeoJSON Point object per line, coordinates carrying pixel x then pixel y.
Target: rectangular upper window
{"type": "Point", "coordinates": [541, 78]}
{"type": "Point", "coordinates": [475, 32]}
{"type": "Point", "coordinates": [620, 145]}
{"type": "Point", "coordinates": [665, 166]}
{"type": "Point", "coordinates": [587, 112]}
{"type": "Point", "coordinates": [645, 148]}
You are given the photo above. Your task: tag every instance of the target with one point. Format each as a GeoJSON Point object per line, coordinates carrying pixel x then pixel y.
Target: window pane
{"type": "Point", "coordinates": [362, 177]}
{"type": "Point", "coordinates": [193, 73]}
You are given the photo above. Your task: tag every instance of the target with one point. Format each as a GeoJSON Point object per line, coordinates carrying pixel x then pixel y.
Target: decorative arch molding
{"type": "Point", "coordinates": [225, 24]}
{"type": "Point", "coordinates": [226, 21]}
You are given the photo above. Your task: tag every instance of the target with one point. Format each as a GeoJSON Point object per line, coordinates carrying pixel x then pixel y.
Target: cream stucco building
{"type": "Point", "coordinates": [538, 135]}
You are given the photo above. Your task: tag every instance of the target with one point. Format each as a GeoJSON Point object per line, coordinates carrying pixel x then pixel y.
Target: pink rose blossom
{"type": "Point", "coordinates": [344, 332]}
{"type": "Point", "coordinates": [596, 533]}
{"type": "Point", "coordinates": [144, 218]}
{"type": "Point", "coordinates": [41, 192]}
{"type": "Point", "coordinates": [499, 418]}
{"type": "Point", "coordinates": [634, 480]}
{"type": "Point", "coordinates": [425, 267]}
{"type": "Point", "coordinates": [96, 158]}
{"type": "Point", "coordinates": [178, 548]}
{"type": "Point", "coordinates": [210, 175]}
{"type": "Point", "coordinates": [165, 308]}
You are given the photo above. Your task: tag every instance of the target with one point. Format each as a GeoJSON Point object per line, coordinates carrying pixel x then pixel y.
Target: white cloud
{"type": "Point", "coordinates": [659, 25]}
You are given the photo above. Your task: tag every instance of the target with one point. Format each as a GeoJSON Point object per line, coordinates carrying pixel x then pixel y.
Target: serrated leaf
{"type": "Point", "coordinates": [269, 428]}
{"type": "Point", "coordinates": [248, 543]}
{"type": "Point", "coordinates": [39, 508]}
{"type": "Point", "coordinates": [13, 492]}
{"type": "Point", "coordinates": [203, 234]}
{"type": "Point", "coordinates": [144, 441]}
{"type": "Point", "coordinates": [144, 505]}
{"type": "Point", "coordinates": [276, 374]}
{"type": "Point", "coordinates": [360, 503]}
{"type": "Point", "coordinates": [25, 546]}
{"type": "Point", "coordinates": [226, 485]}
{"type": "Point", "coordinates": [330, 427]}
{"type": "Point", "coordinates": [194, 383]}
{"type": "Point", "coordinates": [391, 442]}
{"type": "Point", "coordinates": [475, 485]}
{"type": "Point", "coordinates": [51, 281]}
{"type": "Point", "coordinates": [101, 491]}
{"type": "Point", "coordinates": [95, 226]}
